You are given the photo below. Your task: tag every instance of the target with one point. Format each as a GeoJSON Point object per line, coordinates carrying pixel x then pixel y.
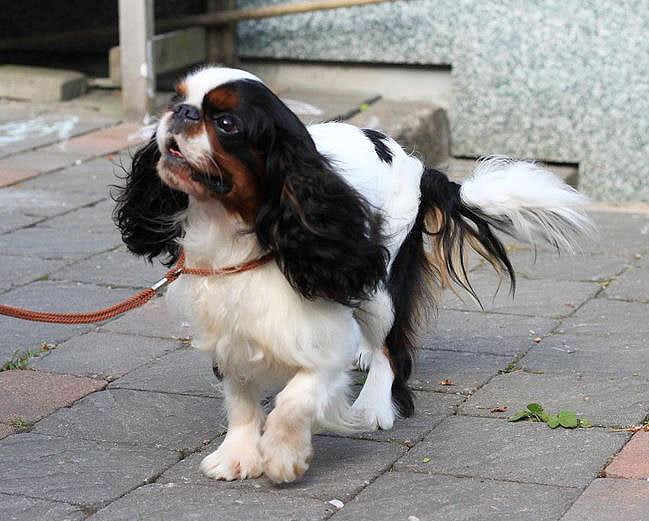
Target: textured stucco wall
{"type": "Point", "coordinates": [559, 80]}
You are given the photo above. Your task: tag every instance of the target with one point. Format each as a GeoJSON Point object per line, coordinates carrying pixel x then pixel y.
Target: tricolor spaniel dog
{"type": "Point", "coordinates": [362, 236]}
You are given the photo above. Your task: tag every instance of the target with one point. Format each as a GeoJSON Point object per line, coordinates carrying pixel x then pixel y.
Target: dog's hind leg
{"type": "Point", "coordinates": [238, 457]}
{"type": "Point", "coordinates": [375, 399]}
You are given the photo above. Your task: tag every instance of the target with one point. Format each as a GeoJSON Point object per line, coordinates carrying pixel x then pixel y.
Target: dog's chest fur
{"type": "Point", "coordinates": [254, 324]}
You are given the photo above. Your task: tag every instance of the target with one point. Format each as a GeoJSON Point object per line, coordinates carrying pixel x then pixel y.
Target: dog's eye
{"type": "Point", "coordinates": [227, 123]}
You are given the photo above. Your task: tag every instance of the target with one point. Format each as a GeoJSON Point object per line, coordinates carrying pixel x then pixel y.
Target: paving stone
{"type": "Point", "coordinates": [96, 218]}
{"type": "Point", "coordinates": [30, 395]}
{"type": "Point", "coordinates": [467, 371]}
{"type": "Point", "coordinates": [5, 430]}
{"type": "Point", "coordinates": [17, 508]}
{"type": "Point", "coordinates": [633, 460]}
{"type": "Point", "coordinates": [115, 268]}
{"type": "Point", "coordinates": [621, 355]}
{"type": "Point", "coordinates": [51, 296]}
{"type": "Point", "coordinates": [607, 499]}
{"type": "Point", "coordinates": [524, 452]}
{"type": "Point", "coordinates": [430, 409]}
{"type": "Point", "coordinates": [38, 161]}
{"type": "Point", "coordinates": [42, 202]}
{"type": "Point", "coordinates": [17, 271]}
{"type": "Point", "coordinates": [37, 242]}
{"type": "Point", "coordinates": [340, 468]}
{"type": "Point", "coordinates": [153, 319]}
{"type": "Point", "coordinates": [399, 495]}
{"type": "Point", "coordinates": [12, 220]}
{"type": "Point", "coordinates": [138, 417]}
{"type": "Point", "coordinates": [631, 285]}
{"type": "Point", "coordinates": [105, 141]}
{"type": "Point", "coordinates": [186, 371]}
{"type": "Point", "coordinates": [74, 470]}
{"type": "Point", "coordinates": [621, 233]}
{"type": "Point", "coordinates": [90, 177]}
{"type": "Point", "coordinates": [10, 174]}
{"type": "Point", "coordinates": [607, 401]}
{"type": "Point", "coordinates": [185, 502]}
{"type": "Point", "coordinates": [542, 298]}
{"type": "Point", "coordinates": [581, 268]}
{"type": "Point", "coordinates": [489, 333]}
{"type": "Point", "coordinates": [608, 318]}
{"type": "Point", "coordinates": [103, 354]}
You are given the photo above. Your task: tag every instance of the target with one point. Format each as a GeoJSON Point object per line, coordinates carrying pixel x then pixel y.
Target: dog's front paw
{"type": "Point", "coordinates": [286, 459]}
{"type": "Point", "coordinates": [233, 461]}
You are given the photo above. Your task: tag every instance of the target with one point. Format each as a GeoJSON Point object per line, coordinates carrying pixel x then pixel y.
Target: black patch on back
{"type": "Point", "coordinates": [378, 140]}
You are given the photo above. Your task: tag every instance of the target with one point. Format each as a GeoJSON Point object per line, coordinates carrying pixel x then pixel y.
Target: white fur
{"type": "Point", "coordinates": [539, 205]}
{"type": "Point", "coordinates": [200, 82]}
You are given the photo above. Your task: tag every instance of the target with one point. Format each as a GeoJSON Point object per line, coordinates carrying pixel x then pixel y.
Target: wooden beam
{"type": "Point", "coordinates": [222, 41]}
{"type": "Point", "coordinates": [137, 63]}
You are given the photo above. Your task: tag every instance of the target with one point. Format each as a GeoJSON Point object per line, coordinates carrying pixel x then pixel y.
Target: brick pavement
{"type": "Point", "coordinates": [120, 414]}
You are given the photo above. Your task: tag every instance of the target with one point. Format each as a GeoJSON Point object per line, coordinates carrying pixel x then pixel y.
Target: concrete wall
{"type": "Point", "coordinates": [558, 80]}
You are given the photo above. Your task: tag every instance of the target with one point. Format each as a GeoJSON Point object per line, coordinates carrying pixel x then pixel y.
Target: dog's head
{"type": "Point", "coordinates": [226, 139]}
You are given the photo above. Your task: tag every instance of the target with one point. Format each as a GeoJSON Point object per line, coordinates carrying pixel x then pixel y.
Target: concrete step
{"type": "Point", "coordinates": [40, 83]}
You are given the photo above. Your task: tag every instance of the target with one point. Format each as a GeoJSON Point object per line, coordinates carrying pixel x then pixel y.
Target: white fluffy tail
{"type": "Point", "coordinates": [525, 200]}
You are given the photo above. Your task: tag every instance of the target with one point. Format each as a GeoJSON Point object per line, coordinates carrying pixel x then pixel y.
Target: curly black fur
{"type": "Point", "coordinates": [413, 279]}
{"type": "Point", "coordinates": [147, 209]}
{"type": "Point", "coordinates": [326, 237]}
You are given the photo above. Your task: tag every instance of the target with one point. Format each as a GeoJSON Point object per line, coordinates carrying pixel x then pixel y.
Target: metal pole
{"type": "Point", "coordinates": [138, 72]}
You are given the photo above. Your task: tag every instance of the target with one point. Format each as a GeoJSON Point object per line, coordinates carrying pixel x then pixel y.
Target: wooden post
{"type": "Point", "coordinates": [138, 67]}
{"type": "Point", "coordinates": [222, 41]}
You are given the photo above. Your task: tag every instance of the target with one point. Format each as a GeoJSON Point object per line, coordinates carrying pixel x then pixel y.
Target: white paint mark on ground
{"type": "Point", "coordinates": [21, 130]}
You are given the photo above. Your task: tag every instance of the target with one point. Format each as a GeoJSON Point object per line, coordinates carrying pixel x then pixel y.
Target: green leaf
{"type": "Point", "coordinates": [363, 107]}
{"type": "Point", "coordinates": [520, 415]}
{"type": "Point", "coordinates": [535, 408]}
{"type": "Point", "coordinates": [584, 424]}
{"type": "Point", "coordinates": [553, 421]}
{"type": "Point", "coordinates": [568, 419]}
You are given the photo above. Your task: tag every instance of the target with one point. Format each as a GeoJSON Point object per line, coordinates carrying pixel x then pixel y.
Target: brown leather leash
{"type": "Point", "coordinates": [137, 300]}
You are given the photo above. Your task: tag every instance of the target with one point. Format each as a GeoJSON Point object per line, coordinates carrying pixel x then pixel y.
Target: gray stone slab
{"type": "Point", "coordinates": [13, 219]}
{"type": "Point", "coordinates": [96, 218]}
{"type": "Point", "coordinates": [620, 233]}
{"type": "Point", "coordinates": [38, 161]}
{"type": "Point", "coordinates": [186, 371]}
{"type": "Point", "coordinates": [633, 285]}
{"type": "Point", "coordinates": [40, 241]}
{"type": "Point", "coordinates": [76, 471]}
{"type": "Point", "coordinates": [606, 401]}
{"type": "Point", "coordinates": [114, 268]}
{"type": "Point", "coordinates": [543, 298]}
{"type": "Point", "coordinates": [430, 409]}
{"type": "Point", "coordinates": [17, 271]}
{"type": "Point", "coordinates": [621, 355]}
{"type": "Point", "coordinates": [340, 468]}
{"type": "Point", "coordinates": [606, 499]}
{"type": "Point", "coordinates": [523, 452]}
{"type": "Point", "coordinates": [153, 319]}
{"type": "Point", "coordinates": [186, 502]}
{"type": "Point", "coordinates": [467, 371]}
{"type": "Point", "coordinates": [317, 106]}
{"type": "Point", "coordinates": [40, 84]}
{"type": "Point", "coordinates": [418, 127]}
{"type": "Point", "coordinates": [91, 177]}
{"type": "Point", "coordinates": [489, 333]}
{"type": "Point", "coordinates": [17, 508]}
{"type": "Point", "coordinates": [51, 296]}
{"type": "Point", "coordinates": [580, 268]}
{"type": "Point", "coordinates": [42, 202]}
{"type": "Point", "coordinates": [399, 495]}
{"type": "Point", "coordinates": [103, 355]}
{"type": "Point", "coordinates": [138, 417]}
{"type": "Point", "coordinates": [608, 318]}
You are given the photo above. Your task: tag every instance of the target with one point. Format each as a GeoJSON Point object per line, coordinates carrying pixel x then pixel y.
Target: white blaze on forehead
{"type": "Point", "coordinates": [199, 83]}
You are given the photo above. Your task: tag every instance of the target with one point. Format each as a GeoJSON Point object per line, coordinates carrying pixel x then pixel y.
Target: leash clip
{"type": "Point", "coordinates": [160, 286]}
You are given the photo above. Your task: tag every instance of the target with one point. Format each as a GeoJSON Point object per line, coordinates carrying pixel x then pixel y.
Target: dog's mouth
{"type": "Point", "coordinates": [216, 184]}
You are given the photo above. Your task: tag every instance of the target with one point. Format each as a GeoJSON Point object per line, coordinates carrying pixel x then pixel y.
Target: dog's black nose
{"type": "Point", "coordinates": [185, 112]}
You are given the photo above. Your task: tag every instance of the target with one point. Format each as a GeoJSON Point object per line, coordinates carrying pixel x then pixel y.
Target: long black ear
{"type": "Point", "coordinates": [327, 238]}
{"type": "Point", "coordinates": [147, 210]}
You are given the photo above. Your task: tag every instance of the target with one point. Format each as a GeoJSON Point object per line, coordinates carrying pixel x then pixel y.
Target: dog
{"type": "Point", "coordinates": [362, 235]}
